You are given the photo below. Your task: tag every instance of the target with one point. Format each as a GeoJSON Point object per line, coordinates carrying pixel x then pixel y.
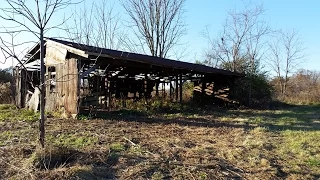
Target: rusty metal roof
{"type": "Point", "coordinates": [156, 61]}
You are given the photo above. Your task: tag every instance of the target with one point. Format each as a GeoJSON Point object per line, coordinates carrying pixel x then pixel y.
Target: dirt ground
{"type": "Point", "coordinates": [208, 145]}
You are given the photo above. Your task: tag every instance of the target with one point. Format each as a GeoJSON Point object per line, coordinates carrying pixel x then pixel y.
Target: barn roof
{"type": "Point", "coordinates": [156, 61]}
{"type": "Point", "coordinates": [86, 50]}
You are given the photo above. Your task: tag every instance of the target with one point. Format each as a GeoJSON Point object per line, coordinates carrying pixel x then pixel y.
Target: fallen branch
{"type": "Point", "coordinates": [132, 143]}
{"type": "Point", "coordinates": [136, 145]}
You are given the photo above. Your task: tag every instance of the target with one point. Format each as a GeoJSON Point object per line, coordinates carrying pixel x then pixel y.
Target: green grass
{"type": "Point", "coordinates": [7, 107]}
{"type": "Point", "coordinates": [299, 117]}
{"type": "Point", "coordinates": [314, 162]}
{"type": "Point", "coordinates": [12, 113]}
{"type": "Point", "coordinates": [77, 140]}
{"type": "Point", "coordinates": [83, 117]}
{"type": "Point", "coordinates": [300, 149]}
{"type": "Point", "coordinates": [197, 144]}
{"type": "Point", "coordinates": [117, 147]}
{"type": "Point", "coordinates": [5, 137]}
{"type": "Point", "coordinates": [296, 143]}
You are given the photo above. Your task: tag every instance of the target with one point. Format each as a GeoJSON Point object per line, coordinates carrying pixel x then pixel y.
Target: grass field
{"type": "Point", "coordinates": [209, 144]}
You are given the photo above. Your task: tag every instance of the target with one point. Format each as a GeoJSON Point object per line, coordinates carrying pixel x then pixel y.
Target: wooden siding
{"type": "Point", "coordinates": [67, 86]}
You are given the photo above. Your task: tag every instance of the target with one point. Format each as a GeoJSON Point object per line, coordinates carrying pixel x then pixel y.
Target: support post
{"type": "Point", "coordinates": [107, 92]}
{"type": "Point", "coordinates": [98, 91]}
{"type": "Point", "coordinates": [203, 89]}
{"type": "Point", "coordinates": [164, 90]}
{"type": "Point", "coordinates": [145, 86]}
{"type": "Point", "coordinates": [171, 90]}
{"type": "Point", "coordinates": [180, 87]}
{"type": "Point", "coordinates": [47, 79]}
{"type": "Point", "coordinates": [23, 88]}
{"type": "Point", "coordinates": [157, 88]}
{"type": "Point", "coordinates": [177, 87]}
{"type": "Point", "coordinates": [18, 87]}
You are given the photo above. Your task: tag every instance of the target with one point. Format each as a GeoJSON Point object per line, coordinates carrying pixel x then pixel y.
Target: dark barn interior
{"type": "Point", "coordinates": [81, 77]}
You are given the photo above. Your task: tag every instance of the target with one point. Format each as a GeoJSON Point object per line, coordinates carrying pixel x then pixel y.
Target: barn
{"type": "Point", "coordinates": [80, 77]}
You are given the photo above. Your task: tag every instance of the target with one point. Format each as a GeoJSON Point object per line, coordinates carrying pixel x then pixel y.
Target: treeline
{"type": "Point", "coordinates": [261, 91]}
{"type": "Point", "coordinates": [303, 87]}
{"type": "Point", "coordinates": [247, 44]}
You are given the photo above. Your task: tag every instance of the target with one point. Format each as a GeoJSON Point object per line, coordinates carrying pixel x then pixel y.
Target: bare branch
{"type": "Point", "coordinates": [157, 24]}
{"type": "Point", "coordinates": [286, 53]}
{"type": "Point", "coordinates": [37, 13]}
{"type": "Point", "coordinates": [241, 41]}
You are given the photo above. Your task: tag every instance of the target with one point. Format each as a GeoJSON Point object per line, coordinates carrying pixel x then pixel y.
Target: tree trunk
{"type": "Point", "coordinates": [42, 88]}
{"type": "Point", "coordinates": [250, 93]}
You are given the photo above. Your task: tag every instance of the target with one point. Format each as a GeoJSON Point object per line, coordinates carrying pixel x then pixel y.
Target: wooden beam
{"type": "Point", "coordinates": [145, 86]}
{"type": "Point", "coordinates": [177, 87]}
{"type": "Point", "coordinates": [109, 94]}
{"type": "Point", "coordinates": [23, 88]}
{"type": "Point", "coordinates": [18, 74]}
{"type": "Point", "coordinates": [47, 90]}
{"type": "Point", "coordinates": [203, 92]}
{"type": "Point", "coordinates": [171, 90]}
{"type": "Point", "coordinates": [98, 91]}
{"type": "Point", "coordinates": [157, 88]}
{"type": "Point", "coordinates": [180, 87]}
{"type": "Point", "coordinates": [163, 90]}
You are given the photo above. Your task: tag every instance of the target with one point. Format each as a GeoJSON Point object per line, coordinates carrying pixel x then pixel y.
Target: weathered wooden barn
{"type": "Point", "coordinates": [80, 76]}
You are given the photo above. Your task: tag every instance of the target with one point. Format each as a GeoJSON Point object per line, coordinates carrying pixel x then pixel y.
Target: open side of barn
{"type": "Point", "coordinates": [81, 77]}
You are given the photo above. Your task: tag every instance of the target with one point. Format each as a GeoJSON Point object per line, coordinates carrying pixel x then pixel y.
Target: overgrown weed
{"type": "Point", "coordinates": [12, 113]}
{"type": "Point", "coordinates": [77, 140]}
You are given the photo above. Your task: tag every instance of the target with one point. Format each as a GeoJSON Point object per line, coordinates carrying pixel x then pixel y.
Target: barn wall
{"type": "Point", "coordinates": [66, 87]}
{"type": "Point", "coordinates": [21, 88]}
{"type": "Point", "coordinates": [18, 87]}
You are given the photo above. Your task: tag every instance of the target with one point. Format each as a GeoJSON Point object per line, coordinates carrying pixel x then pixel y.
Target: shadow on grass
{"type": "Point", "coordinates": [166, 168]}
{"type": "Point", "coordinates": [295, 117]}
{"type": "Point", "coordinates": [55, 158]}
{"type": "Point", "coordinates": [96, 172]}
{"type": "Point", "coordinates": [291, 117]}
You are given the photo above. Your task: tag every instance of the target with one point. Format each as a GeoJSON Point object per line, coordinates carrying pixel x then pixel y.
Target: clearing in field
{"type": "Point", "coordinates": [206, 144]}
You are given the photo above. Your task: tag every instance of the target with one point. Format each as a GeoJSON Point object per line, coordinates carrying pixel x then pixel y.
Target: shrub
{"type": "Point", "coordinates": [302, 88]}
{"type": "Point", "coordinates": [6, 93]}
{"type": "Point", "coordinates": [261, 91]}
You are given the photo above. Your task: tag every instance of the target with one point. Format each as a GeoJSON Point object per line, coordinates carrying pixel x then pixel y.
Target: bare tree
{"type": "Point", "coordinates": [82, 29]}
{"type": "Point", "coordinates": [286, 53]}
{"type": "Point", "coordinates": [157, 24]}
{"type": "Point", "coordinates": [33, 17]}
{"type": "Point", "coordinates": [241, 41]}
{"type": "Point", "coordinates": [96, 26]}
{"type": "Point", "coordinates": [240, 46]}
